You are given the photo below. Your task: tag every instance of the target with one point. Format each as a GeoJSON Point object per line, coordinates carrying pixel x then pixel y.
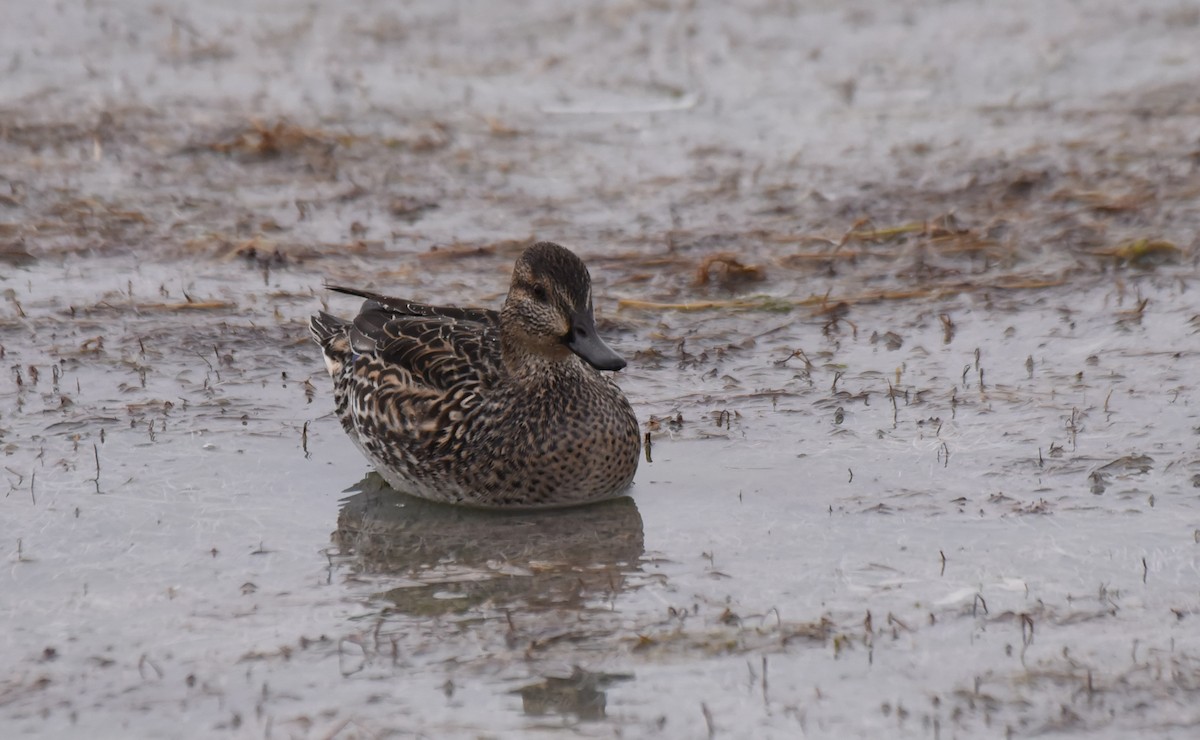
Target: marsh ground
{"type": "Point", "coordinates": [907, 293]}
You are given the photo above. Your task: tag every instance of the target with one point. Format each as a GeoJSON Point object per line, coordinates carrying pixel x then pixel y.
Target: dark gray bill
{"type": "Point", "coordinates": [585, 342]}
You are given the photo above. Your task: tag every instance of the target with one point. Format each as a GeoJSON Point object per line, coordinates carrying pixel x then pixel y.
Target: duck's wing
{"type": "Point", "coordinates": [404, 307]}
{"type": "Point", "coordinates": [438, 347]}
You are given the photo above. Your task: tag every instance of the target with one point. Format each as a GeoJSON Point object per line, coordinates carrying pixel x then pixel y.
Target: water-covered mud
{"type": "Point", "coordinates": [907, 294]}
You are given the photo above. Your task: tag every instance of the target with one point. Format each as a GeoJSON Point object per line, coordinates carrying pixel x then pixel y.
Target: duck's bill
{"type": "Point", "coordinates": [585, 342]}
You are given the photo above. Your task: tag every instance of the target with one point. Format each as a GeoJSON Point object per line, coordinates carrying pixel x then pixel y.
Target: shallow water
{"type": "Point", "coordinates": [913, 475]}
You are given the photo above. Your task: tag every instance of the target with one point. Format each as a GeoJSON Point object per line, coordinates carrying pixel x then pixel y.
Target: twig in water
{"type": "Point", "coordinates": [146, 661]}
{"type": "Point", "coordinates": [947, 328]}
{"type": "Point", "coordinates": [764, 679]}
{"type": "Point", "coordinates": [96, 480]}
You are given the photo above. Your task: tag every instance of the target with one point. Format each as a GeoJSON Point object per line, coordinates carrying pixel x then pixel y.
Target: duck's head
{"type": "Point", "coordinates": [549, 308]}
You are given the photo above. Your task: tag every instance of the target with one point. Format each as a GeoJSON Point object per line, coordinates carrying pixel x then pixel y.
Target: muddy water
{"type": "Point", "coordinates": [907, 291]}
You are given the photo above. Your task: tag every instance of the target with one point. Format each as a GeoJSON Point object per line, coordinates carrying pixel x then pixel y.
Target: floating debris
{"type": "Point", "coordinates": [727, 271]}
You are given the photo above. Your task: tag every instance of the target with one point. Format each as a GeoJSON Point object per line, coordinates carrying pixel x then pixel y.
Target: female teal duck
{"type": "Point", "coordinates": [495, 409]}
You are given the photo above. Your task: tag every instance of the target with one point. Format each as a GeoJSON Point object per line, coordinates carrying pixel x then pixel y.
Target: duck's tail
{"type": "Point", "coordinates": [330, 332]}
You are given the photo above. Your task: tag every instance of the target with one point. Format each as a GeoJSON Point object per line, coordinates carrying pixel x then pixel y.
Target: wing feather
{"type": "Point", "coordinates": [441, 347]}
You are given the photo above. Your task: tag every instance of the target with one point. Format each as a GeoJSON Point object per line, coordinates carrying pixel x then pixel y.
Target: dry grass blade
{"type": "Point", "coordinates": [1103, 202]}
{"type": "Point", "coordinates": [463, 251]}
{"type": "Point", "coordinates": [1144, 252]}
{"type": "Point", "coordinates": [187, 306]}
{"type": "Point", "coordinates": [775, 303]}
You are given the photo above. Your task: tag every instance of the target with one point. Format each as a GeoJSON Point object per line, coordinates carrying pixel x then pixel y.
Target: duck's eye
{"type": "Point", "coordinates": [539, 292]}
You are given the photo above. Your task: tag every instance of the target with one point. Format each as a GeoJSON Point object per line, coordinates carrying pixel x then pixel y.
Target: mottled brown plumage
{"type": "Point", "coordinates": [485, 408]}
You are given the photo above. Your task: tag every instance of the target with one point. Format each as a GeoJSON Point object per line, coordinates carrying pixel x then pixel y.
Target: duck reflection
{"type": "Point", "coordinates": [452, 559]}
{"type": "Point", "coordinates": [581, 694]}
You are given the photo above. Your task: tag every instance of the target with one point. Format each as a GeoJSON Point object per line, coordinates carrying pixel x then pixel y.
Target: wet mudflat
{"type": "Point", "coordinates": [907, 291]}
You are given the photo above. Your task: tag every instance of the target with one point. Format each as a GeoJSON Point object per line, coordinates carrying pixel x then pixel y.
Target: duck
{"type": "Point", "coordinates": [508, 409]}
